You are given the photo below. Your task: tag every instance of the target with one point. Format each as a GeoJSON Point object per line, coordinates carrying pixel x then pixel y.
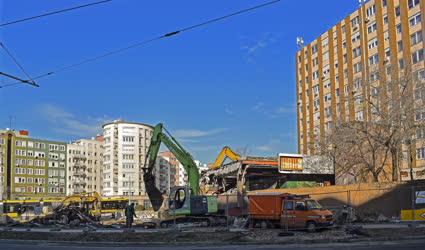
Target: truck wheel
{"type": "Point", "coordinates": [311, 226]}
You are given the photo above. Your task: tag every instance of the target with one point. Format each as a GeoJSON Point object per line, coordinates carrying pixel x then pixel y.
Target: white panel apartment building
{"type": "Point", "coordinates": [85, 163]}
{"type": "Point", "coordinates": [125, 148]}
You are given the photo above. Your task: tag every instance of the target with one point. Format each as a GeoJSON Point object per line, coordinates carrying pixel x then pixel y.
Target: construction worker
{"type": "Point", "coordinates": [129, 214]}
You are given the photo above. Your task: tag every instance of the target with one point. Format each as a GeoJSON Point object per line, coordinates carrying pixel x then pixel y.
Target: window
{"type": "Point", "coordinates": [326, 70]}
{"type": "Point", "coordinates": [400, 46]}
{"type": "Point", "coordinates": [399, 30]}
{"type": "Point", "coordinates": [359, 116]}
{"type": "Point", "coordinates": [418, 56]}
{"type": "Point", "coordinates": [357, 67]}
{"type": "Point", "coordinates": [357, 52]}
{"type": "Point", "coordinates": [355, 21]}
{"type": "Point", "coordinates": [415, 20]}
{"type": "Point", "coordinates": [326, 55]}
{"type": "Point", "coordinates": [127, 157]}
{"type": "Point", "coordinates": [373, 59]}
{"type": "Point", "coordinates": [327, 85]}
{"type": "Point", "coordinates": [374, 77]}
{"type": "Point", "coordinates": [401, 63]}
{"type": "Point", "coordinates": [413, 3]}
{"type": "Point", "coordinates": [356, 37]}
{"type": "Point", "coordinates": [316, 103]}
{"type": "Point", "coordinates": [299, 205]}
{"type": "Point", "coordinates": [358, 83]}
{"type": "Point", "coordinates": [315, 61]}
{"type": "Point", "coordinates": [314, 49]}
{"type": "Point", "coordinates": [385, 19]}
{"type": "Point", "coordinates": [289, 205]}
{"type": "Point", "coordinates": [371, 11]}
{"type": "Point", "coordinates": [315, 75]}
{"type": "Point", "coordinates": [328, 97]}
{"type": "Point", "coordinates": [328, 111]}
{"type": "Point", "coordinates": [19, 143]}
{"type": "Point", "coordinates": [373, 43]}
{"type": "Point", "coordinates": [416, 37]}
{"type": "Point", "coordinates": [397, 11]}
{"type": "Point", "coordinates": [420, 134]}
{"type": "Point", "coordinates": [325, 42]}
{"type": "Point", "coordinates": [420, 116]}
{"type": "Point", "coordinates": [384, 3]}
{"type": "Point", "coordinates": [128, 138]}
{"type": "Point", "coordinates": [420, 153]}
{"type": "Point", "coordinates": [316, 89]}
{"type": "Point", "coordinates": [386, 36]}
{"type": "Point", "coordinates": [371, 28]}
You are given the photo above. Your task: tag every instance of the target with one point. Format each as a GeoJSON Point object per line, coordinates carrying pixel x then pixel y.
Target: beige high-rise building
{"type": "Point", "coordinates": [85, 164]}
{"type": "Point", "coordinates": [382, 35]}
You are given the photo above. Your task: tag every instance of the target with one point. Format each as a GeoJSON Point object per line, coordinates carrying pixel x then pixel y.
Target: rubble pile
{"type": "Point", "coordinates": [73, 216]}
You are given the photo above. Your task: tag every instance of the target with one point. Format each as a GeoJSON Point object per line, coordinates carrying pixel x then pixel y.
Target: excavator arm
{"type": "Point", "coordinates": [160, 135]}
{"type": "Point", "coordinates": [226, 152]}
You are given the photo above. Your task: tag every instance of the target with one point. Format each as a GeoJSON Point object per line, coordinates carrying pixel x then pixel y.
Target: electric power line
{"type": "Point", "coordinates": [53, 13]}
{"type": "Point", "coordinates": [31, 82]}
{"type": "Point", "coordinates": [138, 44]}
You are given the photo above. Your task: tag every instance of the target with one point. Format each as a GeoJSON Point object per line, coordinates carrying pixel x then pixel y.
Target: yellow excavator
{"type": "Point", "coordinates": [226, 153]}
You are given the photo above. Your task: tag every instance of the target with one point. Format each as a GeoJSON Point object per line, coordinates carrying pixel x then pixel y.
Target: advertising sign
{"type": "Point", "coordinates": [290, 162]}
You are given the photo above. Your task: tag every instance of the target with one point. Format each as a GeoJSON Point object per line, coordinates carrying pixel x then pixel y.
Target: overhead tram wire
{"type": "Point", "coordinates": [54, 12]}
{"type": "Point", "coordinates": [31, 80]}
{"type": "Point", "coordinates": [139, 44]}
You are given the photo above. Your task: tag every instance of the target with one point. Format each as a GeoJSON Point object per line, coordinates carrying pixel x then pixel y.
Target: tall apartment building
{"type": "Point", "coordinates": [31, 167]}
{"type": "Point", "coordinates": [85, 164]}
{"type": "Point", "coordinates": [165, 171]}
{"type": "Point", "coordinates": [125, 148]}
{"type": "Point", "coordinates": [169, 172]}
{"type": "Point", "coordinates": [382, 35]}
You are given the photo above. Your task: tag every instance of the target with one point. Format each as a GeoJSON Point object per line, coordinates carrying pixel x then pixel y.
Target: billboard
{"type": "Point", "coordinates": [302, 164]}
{"type": "Point", "coordinates": [290, 162]}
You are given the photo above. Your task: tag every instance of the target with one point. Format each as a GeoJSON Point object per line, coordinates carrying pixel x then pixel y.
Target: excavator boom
{"type": "Point", "coordinates": [225, 153]}
{"type": "Point", "coordinates": [160, 136]}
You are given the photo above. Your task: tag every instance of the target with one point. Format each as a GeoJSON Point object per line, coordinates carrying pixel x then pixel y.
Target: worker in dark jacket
{"type": "Point", "coordinates": [129, 214]}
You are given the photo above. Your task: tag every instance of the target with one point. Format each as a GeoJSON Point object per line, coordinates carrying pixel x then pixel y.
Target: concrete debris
{"type": "Point", "coordinates": [240, 222]}
{"type": "Point", "coordinates": [382, 218]}
{"type": "Point", "coordinates": [357, 230]}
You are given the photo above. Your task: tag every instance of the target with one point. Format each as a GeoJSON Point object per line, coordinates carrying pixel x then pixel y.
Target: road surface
{"type": "Point", "coordinates": [393, 245]}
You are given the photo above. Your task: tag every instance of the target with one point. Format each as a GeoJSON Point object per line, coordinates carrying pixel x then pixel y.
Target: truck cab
{"type": "Point", "coordinates": [304, 213]}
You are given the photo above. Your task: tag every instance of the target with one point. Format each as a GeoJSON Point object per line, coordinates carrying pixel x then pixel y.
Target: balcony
{"type": "Point", "coordinates": [79, 157]}
{"type": "Point", "coordinates": [80, 173]}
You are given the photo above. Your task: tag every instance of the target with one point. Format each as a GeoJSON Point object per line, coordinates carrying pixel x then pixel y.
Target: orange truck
{"type": "Point", "coordinates": [288, 211]}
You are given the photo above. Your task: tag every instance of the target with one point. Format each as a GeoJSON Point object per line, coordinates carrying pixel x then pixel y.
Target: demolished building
{"type": "Point", "coordinates": [233, 180]}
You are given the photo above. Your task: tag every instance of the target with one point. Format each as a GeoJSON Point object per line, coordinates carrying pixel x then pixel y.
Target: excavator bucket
{"type": "Point", "coordinates": [155, 195]}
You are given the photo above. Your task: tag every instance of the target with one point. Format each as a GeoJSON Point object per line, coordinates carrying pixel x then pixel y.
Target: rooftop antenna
{"type": "Point", "coordinates": [10, 122]}
{"type": "Point", "coordinates": [361, 2]}
{"type": "Point", "coordinates": [300, 42]}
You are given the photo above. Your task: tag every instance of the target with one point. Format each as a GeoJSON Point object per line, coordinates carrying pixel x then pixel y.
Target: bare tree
{"type": "Point", "coordinates": [397, 109]}
{"type": "Point", "coordinates": [395, 121]}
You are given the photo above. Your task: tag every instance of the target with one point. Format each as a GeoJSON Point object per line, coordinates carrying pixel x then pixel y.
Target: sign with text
{"type": "Point", "coordinates": [303, 164]}
{"type": "Point", "coordinates": [289, 162]}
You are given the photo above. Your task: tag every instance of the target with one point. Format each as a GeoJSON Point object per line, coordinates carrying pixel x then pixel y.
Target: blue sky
{"type": "Point", "coordinates": [229, 83]}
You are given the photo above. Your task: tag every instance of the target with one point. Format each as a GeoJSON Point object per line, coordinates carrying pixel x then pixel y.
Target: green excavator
{"type": "Point", "coordinates": [185, 204]}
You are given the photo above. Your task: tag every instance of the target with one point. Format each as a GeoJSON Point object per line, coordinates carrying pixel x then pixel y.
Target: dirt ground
{"type": "Point", "coordinates": [221, 237]}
